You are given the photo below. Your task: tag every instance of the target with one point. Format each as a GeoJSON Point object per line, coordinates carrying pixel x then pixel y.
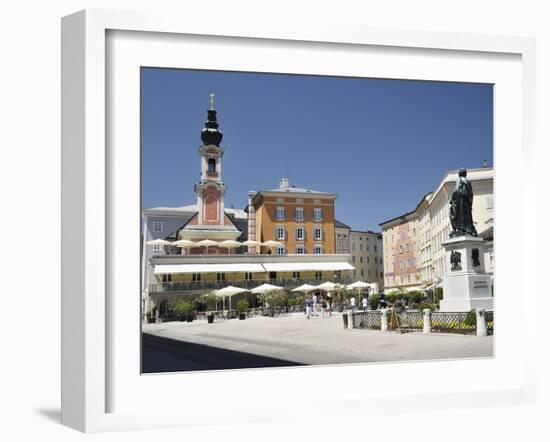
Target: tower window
{"type": "Point", "coordinates": [211, 165]}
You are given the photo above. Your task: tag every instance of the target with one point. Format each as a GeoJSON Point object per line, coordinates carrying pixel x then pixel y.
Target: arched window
{"type": "Point", "coordinates": [211, 165]}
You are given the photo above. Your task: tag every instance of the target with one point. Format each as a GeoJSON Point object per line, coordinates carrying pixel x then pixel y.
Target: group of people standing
{"type": "Point", "coordinates": [317, 306]}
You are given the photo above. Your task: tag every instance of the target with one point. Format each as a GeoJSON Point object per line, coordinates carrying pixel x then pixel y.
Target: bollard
{"type": "Point", "coordinates": [345, 319]}
{"type": "Point", "coordinates": [350, 319]}
{"type": "Point", "coordinates": [481, 323]}
{"type": "Point", "coordinates": [384, 320]}
{"type": "Point", "coordinates": [427, 321]}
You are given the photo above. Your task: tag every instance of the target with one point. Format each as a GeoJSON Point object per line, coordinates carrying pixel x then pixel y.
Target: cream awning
{"type": "Point", "coordinates": [207, 268]}
{"type": "Point", "coordinates": [306, 266]}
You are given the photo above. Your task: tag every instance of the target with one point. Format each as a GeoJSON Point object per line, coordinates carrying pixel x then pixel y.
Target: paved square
{"type": "Point", "coordinates": [318, 340]}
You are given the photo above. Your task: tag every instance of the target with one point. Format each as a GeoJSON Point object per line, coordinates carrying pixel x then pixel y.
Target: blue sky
{"type": "Point", "coordinates": [380, 145]}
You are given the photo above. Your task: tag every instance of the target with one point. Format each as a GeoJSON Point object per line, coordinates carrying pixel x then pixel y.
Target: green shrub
{"type": "Point", "coordinates": [416, 296]}
{"type": "Point", "coordinates": [182, 307]}
{"type": "Point", "coordinates": [392, 297]}
{"type": "Point", "coordinates": [373, 301]}
{"type": "Point", "coordinates": [209, 299]}
{"type": "Point", "coordinates": [242, 305]}
{"type": "Point", "coordinates": [425, 305]}
{"type": "Point", "coordinates": [470, 319]}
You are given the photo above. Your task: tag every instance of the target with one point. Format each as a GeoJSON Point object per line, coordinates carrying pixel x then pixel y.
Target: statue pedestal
{"type": "Point", "coordinates": [466, 286]}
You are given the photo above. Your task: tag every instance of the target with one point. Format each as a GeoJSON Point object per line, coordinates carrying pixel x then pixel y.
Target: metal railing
{"type": "Point", "coordinates": [286, 283]}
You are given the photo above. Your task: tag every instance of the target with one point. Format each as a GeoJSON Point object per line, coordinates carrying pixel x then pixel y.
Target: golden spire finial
{"type": "Point", "coordinates": [211, 101]}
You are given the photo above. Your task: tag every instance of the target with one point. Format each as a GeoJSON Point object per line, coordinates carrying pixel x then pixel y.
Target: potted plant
{"type": "Point", "coordinates": [184, 310]}
{"type": "Point", "coordinates": [210, 300]}
{"type": "Point", "coordinates": [242, 306]}
{"type": "Point", "coordinates": [151, 315]}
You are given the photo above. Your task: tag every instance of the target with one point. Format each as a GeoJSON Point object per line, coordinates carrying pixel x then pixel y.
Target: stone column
{"type": "Point", "coordinates": [384, 320]}
{"type": "Point", "coordinates": [427, 321]}
{"type": "Point", "coordinates": [481, 323]}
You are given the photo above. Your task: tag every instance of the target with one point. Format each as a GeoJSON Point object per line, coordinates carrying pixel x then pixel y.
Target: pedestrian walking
{"type": "Point", "coordinates": [352, 303]}
{"type": "Point", "coordinates": [365, 304]}
{"type": "Point", "coordinates": [315, 305]}
{"type": "Point", "coordinates": [307, 303]}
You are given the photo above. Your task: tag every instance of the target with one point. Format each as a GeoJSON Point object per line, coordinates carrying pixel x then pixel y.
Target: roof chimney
{"type": "Point", "coordinates": [283, 184]}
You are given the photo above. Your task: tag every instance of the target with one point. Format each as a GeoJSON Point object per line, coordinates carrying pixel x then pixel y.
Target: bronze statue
{"type": "Point", "coordinates": [460, 211]}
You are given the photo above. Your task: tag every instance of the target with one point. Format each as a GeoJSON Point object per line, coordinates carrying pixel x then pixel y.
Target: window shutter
{"type": "Point", "coordinates": [275, 233]}
{"type": "Point", "coordinates": [284, 233]}
{"type": "Point", "coordinates": [296, 234]}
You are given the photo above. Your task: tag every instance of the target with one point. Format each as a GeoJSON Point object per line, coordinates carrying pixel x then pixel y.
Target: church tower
{"type": "Point", "coordinates": [210, 189]}
{"type": "Point", "coordinates": [210, 221]}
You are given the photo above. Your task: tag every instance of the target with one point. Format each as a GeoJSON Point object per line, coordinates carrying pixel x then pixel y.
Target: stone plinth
{"type": "Point", "coordinates": [466, 285]}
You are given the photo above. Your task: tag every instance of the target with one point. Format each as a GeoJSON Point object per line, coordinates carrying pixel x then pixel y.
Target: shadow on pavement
{"type": "Point", "coordinates": [161, 355]}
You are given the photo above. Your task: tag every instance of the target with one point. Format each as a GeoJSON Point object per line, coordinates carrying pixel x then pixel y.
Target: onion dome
{"type": "Point", "coordinates": [211, 133]}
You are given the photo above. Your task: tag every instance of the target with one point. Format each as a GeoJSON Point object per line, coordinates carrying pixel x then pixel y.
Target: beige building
{"type": "Point", "coordinates": [413, 251]}
{"type": "Point", "coordinates": [342, 234]}
{"type": "Point", "coordinates": [401, 252]}
{"type": "Point", "coordinates": [366, 256]}
{"type": "Point", "coordinates": [439, 226]}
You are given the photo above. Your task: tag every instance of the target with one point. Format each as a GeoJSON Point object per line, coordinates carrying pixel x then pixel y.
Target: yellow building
{"type": "Point", "coordinates": [302, 220]}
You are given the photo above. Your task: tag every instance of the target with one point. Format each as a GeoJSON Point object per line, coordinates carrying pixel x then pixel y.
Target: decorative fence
{"type": "Point", "coordinates": [369, 319]}
{"type": "Point", "coordinates": [454, 322]}
{"type": "Point", "coordinates": [442, 322]}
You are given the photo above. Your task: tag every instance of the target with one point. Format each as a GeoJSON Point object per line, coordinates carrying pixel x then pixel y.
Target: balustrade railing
{"type": "Point", "coordinates": [243, 283]}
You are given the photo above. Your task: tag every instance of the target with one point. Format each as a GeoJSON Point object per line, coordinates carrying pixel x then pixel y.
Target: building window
{"type": "Point", "coordinates": [300, 250]}
{"type": "Point", "coordinates": [280, 214]}
{"type": "Point", "coordinates": [361, 259]}
{"type": "Point", "coordinates": [368, 259]}
{"type": "Point", "coordinates": [360, 247]}
{"type": "Point", "coordinates": [318, 275]}
{"type": "Point", "coordinates": [353, 246]}
{"type": "Point", "coordinates": [300, 233]}
{"type": "Point", "coordinates": [353, 258]}
{"type": "Point", "coordinates": [318, 233]}
{"type": "Point", "coordinates": [196, 277]}
{"type": "Point", "coordinates": [368, 272]}
{"type": "Point", "coordinates": [318, 250]}
{"type": "Point", "coordinates": [281, 232]}
{"type": "Point", "coordinates": [167, 277]}
{"type": "Point", "coordinates": [158, 226]}
{"type": "Point", "coordinates": [296, 275]}
{"type": "Point", "coordinates": [157, 249]}
{"type": "Point", "coordinates": [220, 277]}
{"type": "Point", "coordinates": [299, 214]}
{"type": "Point", "coordinates": [362, 272]}
{"type": "Point", "coordinates": [317, 214]}
{"type": "Point", "coordinates": [248, 276]}
{"type": "Point", "coordinates": [211, 165]}
{"type": "Point", "coordinates": [280, 250]}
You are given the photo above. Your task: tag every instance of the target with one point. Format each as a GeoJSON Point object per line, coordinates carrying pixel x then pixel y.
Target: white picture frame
{"type": "Point", "coordinates": [87, 212]}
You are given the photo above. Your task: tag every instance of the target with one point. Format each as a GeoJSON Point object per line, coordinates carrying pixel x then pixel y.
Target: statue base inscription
{"type": "Point", "coordinates": [466, 284]}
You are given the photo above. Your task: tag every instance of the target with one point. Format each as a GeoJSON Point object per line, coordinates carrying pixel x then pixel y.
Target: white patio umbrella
{"type": "Point", "coordinates": [328, 286]}
{"type": "Point", "coordinates": [251, 243]}
{"type": "Point", "coordinates": [207, 243]}
{"type": "Point", "coordinates": [271, 244]}
{"type": "Point", "coordinates": [264, 288]}
{"type": "Point", "coordinates": [305, 288]}
{"type": "Point", "coordinates": [184, 243]}
{"type": "Point", "coordinates": [229, 291]}
{"type": "Point", "coordinates": [230, 244]}
{"type": "Point", "coordinates": [358, 285]}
